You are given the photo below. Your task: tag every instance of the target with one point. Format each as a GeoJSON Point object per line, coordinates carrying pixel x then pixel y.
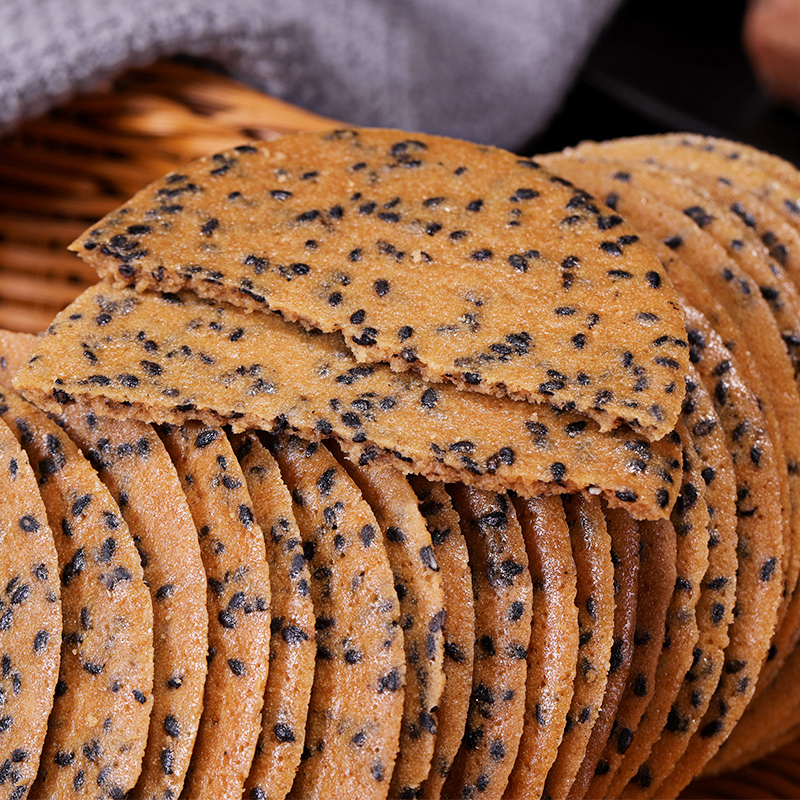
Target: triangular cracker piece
{"type": "Point", "coordinates": [538, 293]}
{"type": "Point", "coordinates": [175, 357]}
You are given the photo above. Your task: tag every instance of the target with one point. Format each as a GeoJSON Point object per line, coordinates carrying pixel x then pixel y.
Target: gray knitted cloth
{"type": "Point", "coordinates": [488, 70]}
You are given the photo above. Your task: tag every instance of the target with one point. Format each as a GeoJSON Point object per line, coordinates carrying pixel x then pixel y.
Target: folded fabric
{"type": "Point", "coordinates": [489, 72]}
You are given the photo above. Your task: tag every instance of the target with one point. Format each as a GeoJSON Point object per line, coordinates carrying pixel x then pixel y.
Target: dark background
{"type": "Point", "coordinates": [672, 65]}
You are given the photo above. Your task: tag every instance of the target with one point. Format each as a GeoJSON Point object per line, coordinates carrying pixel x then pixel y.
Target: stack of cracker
{"type": "Point", "coordinates": [387, 465]}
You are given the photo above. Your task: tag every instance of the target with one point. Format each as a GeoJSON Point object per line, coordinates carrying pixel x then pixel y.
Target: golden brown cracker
{"type": "Point", "coordinates": [133, 464]}
{"type": "Point", "coordinates": [655, 587]}
{"type": "Point", "coordinates": [356, 702]}
{"type": "Point", "coordinates": [238, 602]}
{"type": "Point", "coordinates": [739, 294]}
{"type": "Point", "coordinates": [624, 534]}
{"type": "Point", "coordinates": [350, 230]}
{"type": "Point", "coordinates": [501, 584]}
{"type": "Point", "coordinates": [15, 350]}
{"type": "Point", "coordinates": [98, 727]}
{"type": "Point", "coordinates": [30, 619]}
{"type": "Point", "coordinates": [718, 588]}
{"type": "Point", "coordinates": [759, 580]}
{"type": "Point", "coordinates": [292, 647]}
{"type": "Point", "coordinates": [591, 548]}
{"type": "Point", "coordinates": [450, 551]}
{"type": "Point", "coordinates": [418, 584]}
{"type": "Point", "coordinates": [690, 520]}
{"type": "Point", "coordinates": [553, 652]}
{"type": "Point", "coordinates": [171, 358]}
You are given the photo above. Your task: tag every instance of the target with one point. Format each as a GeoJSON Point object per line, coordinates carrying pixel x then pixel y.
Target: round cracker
{"type": "Point", "coordinates": [238, 601]}
{"type": "Point", "coordinates": [591, 549]}
{"type": "Point", "coordinates": [133, 464]}
{"type": "Point", "coordinates": [418, 584]}
{"type": "Point", "coordinates": [715, 606]}
{"type": "Point", "coordinates": [450, 551]}
{"type": "Point", "coordinates": [766, 176]}
{"type": "Point", "coordinates": [501, 583]}
{"type": "Point", "coordinates": [292, 645]}
{"type": "Point", "coordinates": [656, 585]}
{"type": "Point", "coordinates": [356, 705]}
{"type": "Point", "coordinates": [759, 581]}
{"type": "Point", "coordinates": [101, 712]}
{"type": "Point", "coordinates": [553, 654]}
{"type": "Point", "coordinates": [624, 534]}
{"type": "Point", "coordinates": [750, 312]}
{"type": "Point", "coordinates": [690, 520]}
{"type": "Point", "coordinates": [30, 618]}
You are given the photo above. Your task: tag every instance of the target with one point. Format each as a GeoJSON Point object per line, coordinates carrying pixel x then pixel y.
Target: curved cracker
{"type": "Point", "coordinates": [656, 584]}
{"type": "Point", "coordinates": [349, 231]}
{"type": "Point", "coordinates": [591, 548]}
{"type": "Point", "coordinates": [450, 550]}
{"type": "Point", "coordinates": [624, 534]}
{"type": "Point", "coordinates": [133, 464]}
{"type": "Point", "coordinates": [356, 702]}
{"type": "Point", "coordinates": [553, 653]}
{"type": "Point", "coordinates": [501, 584]}
{"type": "Point", "coordinates": [98, 727]}
{"type": "Point", "coordinates": [690, 520]}
{"type": "Point", "coordinates": [238, 601]}
{"type": "Point", "coordinates": [759, 579]}
{"type": "Point", "coordinates": [418, 584]}
{"type": "Point", "coordinates": [30, 618]}
{"type": "Point", "coordinates": [292, 646]}
{"type": "Point", "coordinates": [718, 589]}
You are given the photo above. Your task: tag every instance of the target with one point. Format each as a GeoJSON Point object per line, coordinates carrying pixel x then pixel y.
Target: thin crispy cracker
{"type": "Point", "coordinates": [718, 589]}
{"type": "Point", "coordinates": [553, 653]}
{"type": "Point", "coordinates": [501, 583]}
{"type": "Point", "coordinates": [450, 550]}
{"type": "Point", "coordinates": [591, 548]}
{"type": "Point", "coordinates": [351, 230]}
{"type": "Point", "coordinates": [356, 702]}
{"type": "Point", "coordinates": [624, 534]}
{"type": "Point", "coordinates": [292, 646]}
{"type": "Point", "coordinates": [759, 580]}
{"type": "Point", "coordinates": [690, 520]}
{"type": "Point", "coordinates": [133, 464]}
{"type": "Point", "coordinates": [422, 616]}
{"type": "Point", "coordinates": [98, 727]}
{"type": "Point", "coordinates": [238, 601]}
{"type": "Point", "coordinates": [171, 358]}
{"type": "Point", "coordinates": [30, 618]}
{"type": "Point", "coordinates": [656, 584]}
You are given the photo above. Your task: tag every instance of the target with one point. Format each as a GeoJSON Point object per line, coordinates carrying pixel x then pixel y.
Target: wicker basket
{"type": "Point", "coordinates": [61, 172]}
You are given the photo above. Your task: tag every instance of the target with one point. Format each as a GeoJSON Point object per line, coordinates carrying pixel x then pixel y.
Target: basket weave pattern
{"type": "Point", "coordinates": [60, 173]}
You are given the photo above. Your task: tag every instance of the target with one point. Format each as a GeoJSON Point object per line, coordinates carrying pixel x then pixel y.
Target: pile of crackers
{"type": "Point", "coordinates": [380, 465]}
